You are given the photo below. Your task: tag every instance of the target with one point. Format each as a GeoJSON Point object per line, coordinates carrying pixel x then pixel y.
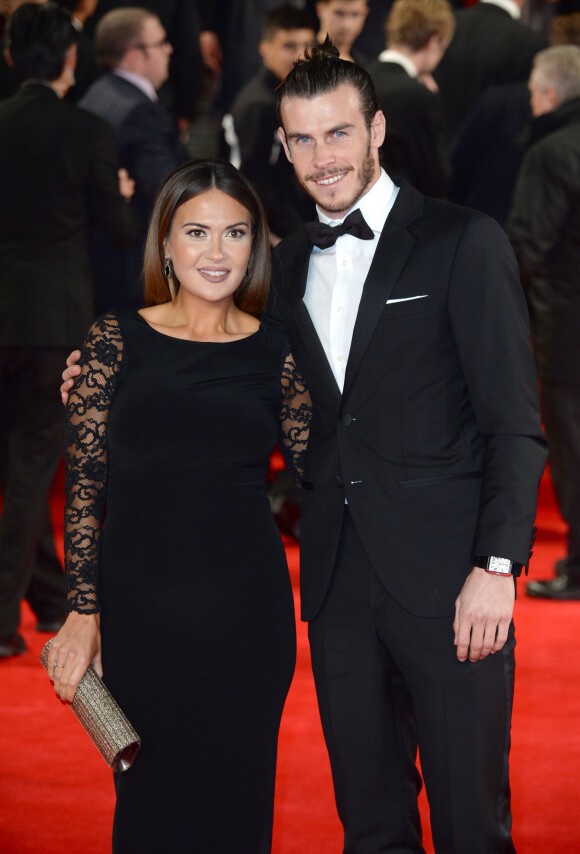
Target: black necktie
{"type": "Point", "coordinates": [324, 236]}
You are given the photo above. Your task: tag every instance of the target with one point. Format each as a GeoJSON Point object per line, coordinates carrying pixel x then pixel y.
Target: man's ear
{"type": "Point", "coordinates": [8, 58]}
{"type": "Point", "coordinates": [378, 129]}
{"type": "Point", "coordinates": [284, 141]}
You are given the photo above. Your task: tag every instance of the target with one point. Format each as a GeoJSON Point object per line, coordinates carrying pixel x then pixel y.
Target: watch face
{"type": "Point", "coordinates": [500, 564]}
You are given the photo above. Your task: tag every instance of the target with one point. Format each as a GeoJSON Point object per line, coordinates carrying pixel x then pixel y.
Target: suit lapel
{"type": "Point", "coordinates": [395, 245]}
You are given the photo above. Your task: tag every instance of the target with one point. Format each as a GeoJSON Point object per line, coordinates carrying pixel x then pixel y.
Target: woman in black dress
{"type": "Point", "coordinates": [183, 588]}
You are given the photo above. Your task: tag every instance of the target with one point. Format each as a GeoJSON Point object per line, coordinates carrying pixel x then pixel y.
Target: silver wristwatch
{"type": "Point", "coordinates": [495, 565]}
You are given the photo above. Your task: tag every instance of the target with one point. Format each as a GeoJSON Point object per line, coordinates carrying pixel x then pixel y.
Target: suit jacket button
{"type": "Point", "coordinates": [347, 419]}
{"type": "Point", "coordinates": [338, 481]}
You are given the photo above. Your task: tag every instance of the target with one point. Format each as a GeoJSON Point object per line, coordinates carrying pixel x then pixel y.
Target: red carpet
{"type": "Point", "coordinates": [56, 794]}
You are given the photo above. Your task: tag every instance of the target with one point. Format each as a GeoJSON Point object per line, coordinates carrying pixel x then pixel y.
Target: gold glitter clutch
{"type": "Point", "coordinates": [102, 719]}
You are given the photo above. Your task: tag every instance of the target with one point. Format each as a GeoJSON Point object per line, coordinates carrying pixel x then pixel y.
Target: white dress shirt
{"type": "Point", "coordinates": [400, 59]}
{"type": "Point", "coordinates": [336, 276]}
{"type": "Point", "coordinates": [509, 6]}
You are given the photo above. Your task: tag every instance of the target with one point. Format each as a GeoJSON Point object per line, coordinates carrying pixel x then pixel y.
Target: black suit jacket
{"type": "Point", "coordinates": [436, 440]}
{"type": "Point", "coordinates": [58, 178]}
{"type": "Point", "coordinates": [489, 48]}
{"type": "Point", "coordinates": [149, 148]}
{"type": "Point", "coordinates": [415, 145]}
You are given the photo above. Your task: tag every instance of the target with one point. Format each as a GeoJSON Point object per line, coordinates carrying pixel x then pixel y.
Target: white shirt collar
{"type": "Point", "coordinates": [401, 59]}
{"type": "Point", "coordinates": [140, 82]}
{"type": "Point", "coordinates": [510, 6]}
{"type": "Point", "coordinates": [375, 205]}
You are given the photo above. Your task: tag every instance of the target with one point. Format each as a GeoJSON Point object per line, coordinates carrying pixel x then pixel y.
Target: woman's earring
{"type": "Point", "coordinates": [168, 269]}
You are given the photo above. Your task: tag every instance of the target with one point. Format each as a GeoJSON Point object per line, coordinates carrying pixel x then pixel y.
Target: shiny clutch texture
{"type": "Point", "coordinates": [102, 719]}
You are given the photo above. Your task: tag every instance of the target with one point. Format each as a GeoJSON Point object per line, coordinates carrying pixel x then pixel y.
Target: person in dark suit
{"type": "Point", "coordinates": [421, 476]}
{"type": "Point", "coordinates": [58, 172]}
{"type": "Point", "coordinates": [415, 147]}
{"type": "Point", "coordinates": [544, 226]}
{"type": "Point", "coordinates": [490, 47]}
{"type": "Point", "coordinates": [132, 45]}
{"type": "Point", "coordinates": [181, 20]}
{"type": "Point", "coordinates": [251, 127]}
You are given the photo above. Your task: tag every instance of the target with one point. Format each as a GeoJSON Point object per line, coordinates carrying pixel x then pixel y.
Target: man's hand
{"type": "Point", "coordinates": [126, 185]}
{"type": "Point", "coordinates": [68, 375]}
{"type": "Point", "coordinates": [483, 613]}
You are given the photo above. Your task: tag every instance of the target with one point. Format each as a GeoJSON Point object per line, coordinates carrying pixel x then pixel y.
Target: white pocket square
{"type": "Point", "coordinates": [405, 299]}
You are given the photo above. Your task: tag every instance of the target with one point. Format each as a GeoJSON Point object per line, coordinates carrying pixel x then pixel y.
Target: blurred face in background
{"type": "Point", "coordinates": [343, 20]}
{"type": "Point", "coordinates": [543, 98]}
{"type": "Point", "coordinates": [281, 50]}
{"type": "Point", "coordinates": [154, 52]}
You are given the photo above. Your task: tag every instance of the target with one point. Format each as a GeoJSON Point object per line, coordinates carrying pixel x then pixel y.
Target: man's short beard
{"type": "Point", "coordinates": [365, 175]}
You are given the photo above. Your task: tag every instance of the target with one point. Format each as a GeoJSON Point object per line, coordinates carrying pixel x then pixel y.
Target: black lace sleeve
{"type": "Point", "coordinates": [295, 417]}
{"type": "Point", "coordinates": [86, 460]}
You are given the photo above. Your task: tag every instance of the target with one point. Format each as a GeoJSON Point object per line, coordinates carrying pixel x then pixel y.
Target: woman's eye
{"type": "Point", "coordinates": [198, 233]}
{"type": "Point", "coordinates": [236, 232]}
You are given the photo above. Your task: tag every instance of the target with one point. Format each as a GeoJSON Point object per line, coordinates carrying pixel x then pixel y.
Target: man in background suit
{"type": "Point", "coordinates": [58, 173]}
{"type": "Point", "coordinates": [181, 20]}
{"type": "Point", "coordinates": [544, 227]}
{"type": "Point", "coordinates": [490, 46]}
{"type": "Point", "coordinates": [132, 45]}
{"type": "Point", "coordinates": [424, 458]}
{"type": "Point", "coordinates": [415, 148]}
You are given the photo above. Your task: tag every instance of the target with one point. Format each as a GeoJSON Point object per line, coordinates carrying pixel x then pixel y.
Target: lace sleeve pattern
{"type": "Point", "coordinates": [86, 460]}
{"type": "Point", "coordinates": [295, 417]}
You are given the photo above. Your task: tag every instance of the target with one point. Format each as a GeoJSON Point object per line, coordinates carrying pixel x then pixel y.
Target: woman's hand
{"type": "Point", "coordinates": [77, 645]}
{"type": "Point", "coordinates": [72, 370]}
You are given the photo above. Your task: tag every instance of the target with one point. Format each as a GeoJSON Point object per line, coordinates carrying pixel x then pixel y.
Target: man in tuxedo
{"type": "Point", "coordinates": [251, 127]}
{"type": "Point", "coordinates": [132, 45]}
{"type": "Point", "coordinates": [58, 173]}
{"type": "Point", "coordinates": [491, 46]}
{"type": "Point", "coordinates": [407, 320]}
{"type": "Point", "coordinates": [415, 147]}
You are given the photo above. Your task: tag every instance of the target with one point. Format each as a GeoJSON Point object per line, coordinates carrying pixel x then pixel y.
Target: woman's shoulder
{"type": "Point", "coordinates": [274, 334]}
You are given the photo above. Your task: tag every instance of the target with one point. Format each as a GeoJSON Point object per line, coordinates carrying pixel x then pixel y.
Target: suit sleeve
{"type": "Point", "coordinates": [491, 330]}
{"type": "Point", "coordinates": [109, 210]}
{"type": "Point", "coordinates": [153, 148]}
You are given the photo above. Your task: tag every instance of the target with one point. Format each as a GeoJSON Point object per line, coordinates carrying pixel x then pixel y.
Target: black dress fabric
{"type": "Point", "coordinates": [170, 440]}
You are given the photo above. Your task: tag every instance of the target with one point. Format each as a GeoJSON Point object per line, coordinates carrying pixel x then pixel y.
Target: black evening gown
{"type": "Point", "coordinates": [168, 442]}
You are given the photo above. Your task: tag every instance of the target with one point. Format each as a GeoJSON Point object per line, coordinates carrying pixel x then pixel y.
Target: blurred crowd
{"type": "Point", "coordinates": [482, 105]}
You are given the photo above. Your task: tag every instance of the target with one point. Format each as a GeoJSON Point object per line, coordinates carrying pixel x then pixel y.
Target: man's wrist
{"type": "Point", "coordinates": [497, 565]}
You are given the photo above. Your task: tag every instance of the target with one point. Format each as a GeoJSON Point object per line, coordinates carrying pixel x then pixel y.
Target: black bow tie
{"type": "Point", "coordinates": [324, 236]}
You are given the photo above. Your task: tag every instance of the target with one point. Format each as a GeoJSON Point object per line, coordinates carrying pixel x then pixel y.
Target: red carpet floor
{"type": "Point", "coordinates": [56, 794]}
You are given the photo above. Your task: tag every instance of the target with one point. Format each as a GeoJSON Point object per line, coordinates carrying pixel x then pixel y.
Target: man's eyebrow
{"type": "Point", "coordinates": [343, 126]}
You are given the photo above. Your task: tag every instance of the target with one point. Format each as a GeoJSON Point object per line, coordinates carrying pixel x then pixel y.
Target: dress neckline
{"type": "Point", "coordinates": [193, 340]}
